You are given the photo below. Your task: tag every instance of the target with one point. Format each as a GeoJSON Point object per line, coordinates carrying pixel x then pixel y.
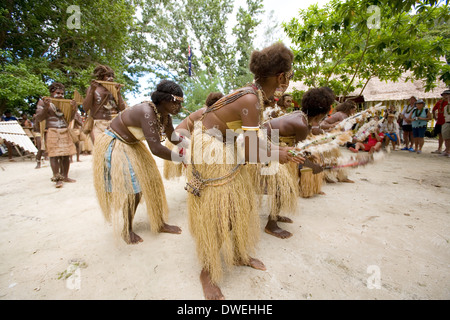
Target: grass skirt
{"type": "Point", "coordinates": [281, 187]}
{"type": "Point", "coordinates": [114, 195]}
{"type": "Point", "coordinates": [224, 219]}
{"type": "Point", "coordinates": [172, 169]}
{"type": "Point", "coordinates": [311, 184]}
{"type": "Point", "coordinates": [330, 157]}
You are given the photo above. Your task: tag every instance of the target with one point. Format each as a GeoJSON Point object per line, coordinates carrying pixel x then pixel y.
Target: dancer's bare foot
{"type": "Point", "coordinates": [133, 238]}
{"type": "Point", "coordinates": [69, 180]}
{"type": "Point", "coordinates": [253, 263]}
{"type": "Point", "coordinates": [170, 229]}
{"type": "Point", "coordinates": [38, 165]}
{"type": "Point", "coordinates": [210, 290]}
{"type": "Point", "coordinates": [284, 219]}
{"type": "Point", "coordinates": [59, 184]}
{"type": "Point", "coordinates": [273, 229]}
{"type": "Point", "coordinates": [347, 180]}
{"type": "Point", "coordinates": [322, 193]}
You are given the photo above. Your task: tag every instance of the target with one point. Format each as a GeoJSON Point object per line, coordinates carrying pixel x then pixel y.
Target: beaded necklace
{"type": "Point", "coordinates": [261, 95]}
{"type": "Point", "coordinates": [417, 113]}
{"type": "Point", "coordinates": [408, 110]}
{"type": "Point", "coordinates": [160, 121]}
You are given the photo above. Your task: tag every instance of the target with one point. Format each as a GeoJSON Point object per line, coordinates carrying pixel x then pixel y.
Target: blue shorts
{"type": "Point", "coordinates": [108, 154]}
{"type": "Point", "coordinates": [419, 132]}
{"type": "Point", "coordinates": [392, 136]}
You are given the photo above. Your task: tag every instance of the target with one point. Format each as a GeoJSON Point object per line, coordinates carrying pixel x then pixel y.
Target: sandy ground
{"type": "Point", "coordinates": [384, 237]}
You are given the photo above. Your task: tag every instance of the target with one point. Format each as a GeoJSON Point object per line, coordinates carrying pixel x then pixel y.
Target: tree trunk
{"type": "Point", "coordinates": [359, 64]}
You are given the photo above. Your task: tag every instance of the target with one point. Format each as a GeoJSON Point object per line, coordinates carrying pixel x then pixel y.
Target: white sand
{"type": "Point", "coordinates": [388, 231]}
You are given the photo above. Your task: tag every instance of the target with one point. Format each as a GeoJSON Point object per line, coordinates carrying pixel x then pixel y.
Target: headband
{"type": "Point", "coordinates": [176, 98]}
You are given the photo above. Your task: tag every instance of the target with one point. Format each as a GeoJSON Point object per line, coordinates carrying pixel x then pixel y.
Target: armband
{"type": "Point", "coordinates": [250, 128]}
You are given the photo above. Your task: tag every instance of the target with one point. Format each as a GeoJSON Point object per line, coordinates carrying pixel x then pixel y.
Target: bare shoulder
{"type": "Point", "coordinates": [196, 115]}
{"type": "Point", "coordinates": [296, 122]}
{"type": "Point", "coordinates": [249, 99]}
{"type": "Point", "coordinates": [142, 108]}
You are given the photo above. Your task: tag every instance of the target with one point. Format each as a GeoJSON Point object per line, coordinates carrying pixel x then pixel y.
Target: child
{"type": "Point", "coordinates": [390, 130]}
{"type": "Point", "coordinates": [373, 143]}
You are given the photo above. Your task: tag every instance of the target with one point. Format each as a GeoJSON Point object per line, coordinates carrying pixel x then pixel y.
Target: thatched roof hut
{"type": "Point", "coordinates": [391, 93]}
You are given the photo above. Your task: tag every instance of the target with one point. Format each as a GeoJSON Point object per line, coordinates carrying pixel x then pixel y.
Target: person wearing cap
{"type": "Point", "coordinates": [438, 115]}
{"type": "Point", "coordinates": [406, 124]}
{"type": "Point", "coordinates": [419, 118]}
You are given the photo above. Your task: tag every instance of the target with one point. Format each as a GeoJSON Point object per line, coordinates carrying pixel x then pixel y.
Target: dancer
{"type": "Point", "coordinates": [58, 142]}
{"type": "Point", "coordinates": [223, 215]}
{"type": "Point", "coordinates": [292, 128]}
{"type": "Point", "coordinates": [342, 111]}
{"type": "Point", "coordinates": [184, 130]}
{"type": "Point", "coordinates": [100, 102]}
{"type": "Point", "coordinates": [124, 169]}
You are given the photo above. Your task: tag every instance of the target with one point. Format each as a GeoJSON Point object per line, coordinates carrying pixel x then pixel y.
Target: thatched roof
{"type": "Point", "coordinates": [377, 90]}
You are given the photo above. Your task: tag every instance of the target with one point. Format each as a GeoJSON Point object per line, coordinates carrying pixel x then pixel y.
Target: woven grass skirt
{"type": "Point", "coordinates": [122, 170]}
{"type": "Point", "coordinates": [224, 219]}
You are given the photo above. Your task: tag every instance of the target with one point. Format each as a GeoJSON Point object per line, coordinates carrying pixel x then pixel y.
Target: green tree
{"type": "Point", "coordinates": [336, 46]}
{"type": "Point", "coordinates": [173, 26]}
{"type": "Point", "coordinates": [36, 37]}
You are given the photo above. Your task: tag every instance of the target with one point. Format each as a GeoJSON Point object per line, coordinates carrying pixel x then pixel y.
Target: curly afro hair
{"type": "Point", "coordinates": [102, 70]}
{"type": "Point", "coordinates": [271, 61]}
{"type": "Point", "coordinates": [164, 91]}
{"type": "Point", "coordinates": [212, 98]}
{"type": "Point", "coordinates": [55, 86]}
{"type": "Point", "coordinates": [317, 101]}
{"type": "Point", "coordinates": [346, 106]}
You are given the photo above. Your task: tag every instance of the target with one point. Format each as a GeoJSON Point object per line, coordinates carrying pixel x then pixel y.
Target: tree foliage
{"type": "Point", "coordinates": [36, 40]}
{"type": "Point", "coordinates": [221, 55]}
{"type": "Point", "coordinates": [134, 37]}
{"type": "Point", "coordinates": [341, 46]}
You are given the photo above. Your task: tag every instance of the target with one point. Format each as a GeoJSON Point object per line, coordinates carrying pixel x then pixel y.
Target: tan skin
{"type": "Point", "coordinates": [291, 125]}
{"type": "Point", "coordinates": [245, 109]}
{"type": "Point", "coordinates": [143, 116]}
{"type": "Point", "coordinates": [98, 96]}
{"type": "Point", "coordinates": [59, 165]}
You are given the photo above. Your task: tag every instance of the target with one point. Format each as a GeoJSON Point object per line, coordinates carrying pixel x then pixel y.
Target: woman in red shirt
{"type": "Point", "coordinates": [438, 115]}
